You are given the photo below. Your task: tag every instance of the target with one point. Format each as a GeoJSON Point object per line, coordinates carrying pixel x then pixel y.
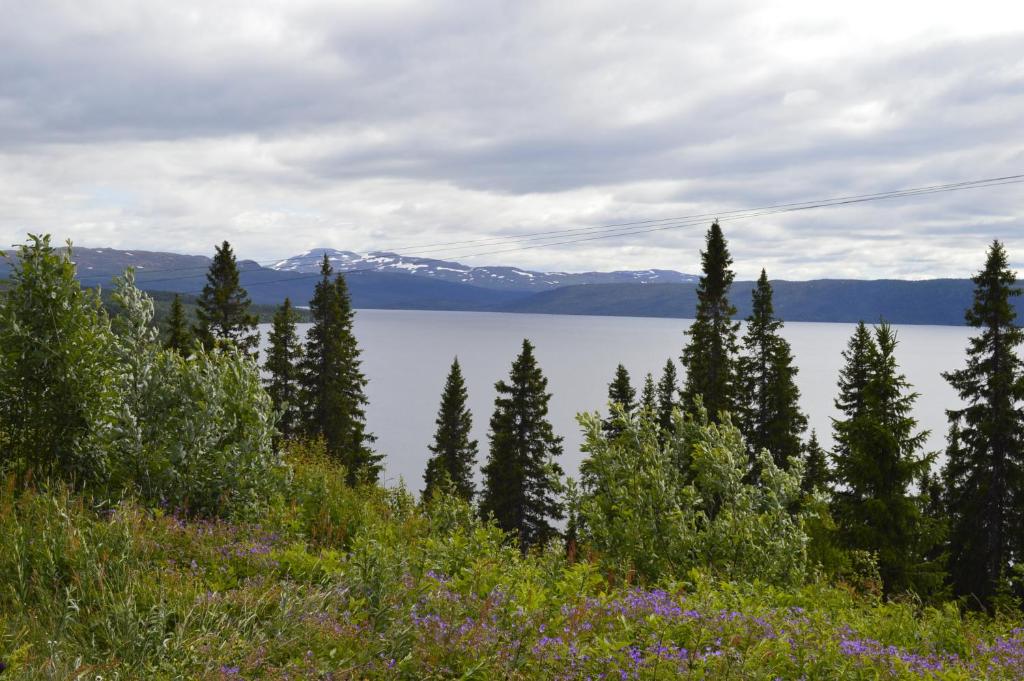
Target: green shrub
{"type": "Point", "coordinates": [659, 509]}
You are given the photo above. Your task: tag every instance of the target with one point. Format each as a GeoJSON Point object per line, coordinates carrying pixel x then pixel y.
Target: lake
{"type": "Point", "coordinates": [407, 354]}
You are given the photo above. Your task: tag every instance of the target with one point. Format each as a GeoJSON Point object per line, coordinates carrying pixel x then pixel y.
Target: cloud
{"type": "Point", "coordinates": [283, 126]}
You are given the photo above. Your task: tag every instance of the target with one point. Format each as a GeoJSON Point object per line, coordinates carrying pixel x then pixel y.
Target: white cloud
{"type": "Point", "coordinates": [287, 125]}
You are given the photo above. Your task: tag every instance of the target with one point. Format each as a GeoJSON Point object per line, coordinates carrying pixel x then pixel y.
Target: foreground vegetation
{"type": "Point", "coordinates": [344, 582]}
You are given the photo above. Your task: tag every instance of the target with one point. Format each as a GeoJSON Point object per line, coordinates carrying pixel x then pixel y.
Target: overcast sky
{"type": "Point", "coordinates": [391, 124]}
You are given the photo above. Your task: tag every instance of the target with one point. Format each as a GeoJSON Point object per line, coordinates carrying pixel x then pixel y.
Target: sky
{"type": "Point", "coordinates": [288, 125]}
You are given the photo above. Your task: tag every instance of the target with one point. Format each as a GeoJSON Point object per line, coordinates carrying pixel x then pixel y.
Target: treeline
{"type": "Point", "coordinates": [710, 464]}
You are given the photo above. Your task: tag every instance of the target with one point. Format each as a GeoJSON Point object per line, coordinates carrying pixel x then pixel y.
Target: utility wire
{"type": "Point", "coordinates": [550, 238]}
{"type": "Point", "coordinates": [614, 229]}
{"type": "Point", "coordinates": [649, 226]}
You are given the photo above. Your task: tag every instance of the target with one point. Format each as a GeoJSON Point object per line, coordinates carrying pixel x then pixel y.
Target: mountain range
{"type": "Point", "coordinates": [387, 280]}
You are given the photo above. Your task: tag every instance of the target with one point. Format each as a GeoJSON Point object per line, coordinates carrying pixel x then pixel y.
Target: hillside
{"type": "Point", "coordinates": [934, 301]}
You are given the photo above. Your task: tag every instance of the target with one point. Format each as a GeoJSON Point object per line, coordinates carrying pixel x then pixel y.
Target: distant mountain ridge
{"type": "Point", "coordinates": [424, 284]}
{"type": "Point", "coordinates": [490, 277]}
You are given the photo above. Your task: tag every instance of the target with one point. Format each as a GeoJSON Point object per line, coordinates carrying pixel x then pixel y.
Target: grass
{"type": "Point", "coordinates": [333, 582]}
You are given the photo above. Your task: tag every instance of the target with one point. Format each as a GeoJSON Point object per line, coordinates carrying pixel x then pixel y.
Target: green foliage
{"type": "Point", "coordinates": [333, 385]}
{"type": "Point", "coordinates": [621, 393]}
{"type": "Point", "coordinates": [223, 309]}
{"type": "Point", "coordinates": [660, 510]}
{"type": "Point", "coordinates": [57, 375]}
{"type": "Point", "coordinates": [100, 404]}
{"type": "Point", "coordinates": [422, 592]}
{"type": "Point", "coordinates": [816, 471]}
{"type": "Point", "coordinates": [709, 357]}
{"type": "Point", "coordinates": [453, 452]}
{"type": "Point", "coordinates": [877, 460]}
{"type": "Point", "coordinates": [649, 396]}
{"type": "Point", "coordinates": [770, 415]}
{"type": "Point", "coordinates": [178, 335]}
{"type": "Point", "coordinates": [668, 402]}
{"type": "Point", "coordinates": [522, 477]}
{"type": "Point", "coordinates": [984, 473]}
{"type": "Point", "coordinates": [282, 370]}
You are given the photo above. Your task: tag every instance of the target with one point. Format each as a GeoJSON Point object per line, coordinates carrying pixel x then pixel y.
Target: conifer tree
{"type": "Point", "coordinates": [282, 369]}
{"type": "Point", "coordinates": [333, 386]}
{"type": "Point", "coordinates": [649, 396]}
{"type": "Point", "coordinates": [769, 408]}
{"type": "Point", "coordinates": [877, 460]}
{"type": "Point", "coordinates": [668, 389]}
{"type": "Point", "coordinates": [816, 473]}
{"type": "Point", "coordinates": [710, 356]}
{"type": "Point", "coordinates": [222, 310]}
{"type": "Point", "coordinates": [620, 392]}
{"type": "Point", "coordinates": [179, 337]}
{"type": "Point", "coordinates": [453, 452]}
{"type": "Point", "coordinates": [522, 476]}
{"type": "Point", "coordinates": [984, 472]}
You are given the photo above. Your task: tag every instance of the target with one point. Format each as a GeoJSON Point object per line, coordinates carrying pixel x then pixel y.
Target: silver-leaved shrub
{"type": "Point", "coordinates": [657, 510]}
{"type": "Point", "coordinates": [97, 401]}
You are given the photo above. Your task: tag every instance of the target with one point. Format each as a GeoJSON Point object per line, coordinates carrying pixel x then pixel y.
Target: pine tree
{"type": "Point", "coordinates": [454, 453]}
{"type": "Point", "coordinates": [668, 389]}
{"type": "Point", "coordinates": [770, 403]}
{"type": "Point", "coordinates": [179, 337]}
{"type": "Point", "coordinates": [816, 473]}
{"type": "Point", "coordinates": [282, 369]}
{"type": "Point", "coordinates": [620, 392]}
{"type": "Point", "coordinates": [522, 476]}
{"type": "Point", "coordinates": [223, 307]}
{"type": "Point", "coordinates": [710, 356]}
{"type": "Point", "coordinates": [333, 386]}
{"type": "Point", "coordinates": [649, 396]}
{"type": "Point", "coordinates": [984, 473]}
{"type": "Point", "coordinates": [877, 460]}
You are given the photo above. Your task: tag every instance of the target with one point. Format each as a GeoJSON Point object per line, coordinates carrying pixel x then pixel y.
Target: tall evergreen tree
{"type": "Point", "coordinates": [179, 337]}
{"type": "Point", "coordinates": [620, 392]}
{"type": "Point", "coordinates": [984, 472]}
{"type": "Point", "coordinates": [649, 396]}
{"type": "Point", "coordinates": [282, 369]}
{"type": "Point", "coordinates": [770, 402]}
{"type": "Point", "coordinates": [522, 476]}
{"type": "Point", "coordinates": [453, 452]}
{"type": "Point", "coordinates": [668, 390]}
{"type": "Point", "coordinates": [710, 356]}
{"type": "Point", "coordinates": [222, 310]}
{"type": "Point", "coordinates": [816, 474]}
{"type": "Point", "coordinates": [333, 386]}
{"type": "Point", "coordinates": [877, 460]}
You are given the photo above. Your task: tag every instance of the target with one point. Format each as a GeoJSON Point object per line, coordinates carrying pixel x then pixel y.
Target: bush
{"type": "Point", "coordinates": [57, 376]}
{"type": "Point", "coordinates": [99, 403]}
{"type": "Point", "coordinates": [660, 510]}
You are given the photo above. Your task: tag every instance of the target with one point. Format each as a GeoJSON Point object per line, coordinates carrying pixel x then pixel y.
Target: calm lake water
{"type": "Point", "coordinates": [407, 354]}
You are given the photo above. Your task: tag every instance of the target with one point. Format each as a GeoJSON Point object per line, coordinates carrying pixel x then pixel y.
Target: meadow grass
{"type": "Point", "coordinates": [335, 582]}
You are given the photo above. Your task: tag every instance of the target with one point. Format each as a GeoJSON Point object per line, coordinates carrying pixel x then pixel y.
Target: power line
{"type": "Point", "coordinates": [550, 238]}
{"type": "Point", "coordinates": [625, 228]}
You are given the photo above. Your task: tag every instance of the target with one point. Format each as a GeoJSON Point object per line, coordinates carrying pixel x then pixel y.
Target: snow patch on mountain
{"type": "Point", "coordinates": [494, 277]}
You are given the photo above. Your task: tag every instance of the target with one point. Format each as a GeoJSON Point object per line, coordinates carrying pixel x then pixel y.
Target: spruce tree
{"type": "Point", "coordinates": [333, 386]}
{"type": "Point", "coordinates": [522, 476]}
{"type": "Point", "coordinates": [282, 369]}
{"type": "Point", "coordinates": [984, 472]}
{"type": "Point", "coordinates": [668, 389]}
{"type": "Point", "coordinates": [877, 460]}
{"type": "Point", "coordinates": [649, 396]}
{"type": "Point", "coordinates": [769, 408]}
{"type": "Point", "coordinates": [620, 392]}
{"type": "Point", "coordinates": [816, 473]}
{"type": "Point", "coordinates": [179, 337]}
{"type": "Point", "coordinates": [710, 356]}
{"type": "Point", "coordinates": [222, 310]}
{"type": "Point", "coordinates": [453, 452]}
